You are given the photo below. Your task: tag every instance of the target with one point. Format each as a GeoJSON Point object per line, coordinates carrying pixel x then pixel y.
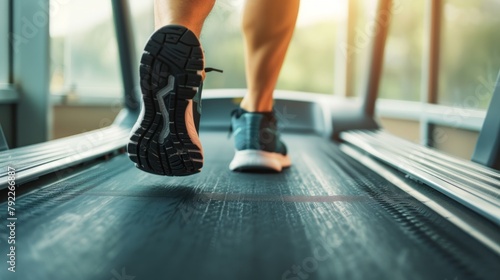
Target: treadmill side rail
{"type": "Point", "coordinates": [474, 186]}
{"type": "Point", "coordinates": [34, 161]}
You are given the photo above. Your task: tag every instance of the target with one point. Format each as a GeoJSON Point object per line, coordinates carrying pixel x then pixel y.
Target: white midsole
{"type": "Point", "coordinates": [259, 159]}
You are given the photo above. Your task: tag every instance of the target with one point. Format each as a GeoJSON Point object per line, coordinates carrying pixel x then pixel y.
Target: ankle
{"type": "Point", "coordinates": [256, 107]}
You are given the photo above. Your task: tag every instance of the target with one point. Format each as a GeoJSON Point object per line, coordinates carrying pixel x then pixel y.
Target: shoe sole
{"type": "Point", "coordinates": [164, 140]}
{"type": "Point", "coordinates": [256, 160]}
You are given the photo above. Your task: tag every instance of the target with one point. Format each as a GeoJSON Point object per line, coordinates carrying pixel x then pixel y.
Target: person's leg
{"type": "Point", "coordinates": [268, 27]}
{"type": "Point", "coordinates": [165, 139]}
{"type": "Point", "coordinates": [188, 13]}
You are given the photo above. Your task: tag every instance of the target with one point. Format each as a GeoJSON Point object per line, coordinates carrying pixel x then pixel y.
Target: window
{"type": "Point", "coordinates": [143, 24]}
{"type": "Point", "coordinates": [364, 17]}
{"type": "Point", "coordinates": [85, 59]}
{"type": "Point", "coordinates": [310, 59]}
{"type": "Point", "coordinates": [223, 45]}
{"type": "Point", "coordinates": [401, 76]}
{"type": "Point", "coordinates": [84, 54]}
{"type": "Point", "coordinates": [470, 53]}
{"type": "Point", "coordinates": [403, 51]}
{"type": "Point", "coordinates": [85, 67]}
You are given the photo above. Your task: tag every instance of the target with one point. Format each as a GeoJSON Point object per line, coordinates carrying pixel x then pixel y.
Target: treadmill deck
{"type": "Point", "coordinates": [326, 217]}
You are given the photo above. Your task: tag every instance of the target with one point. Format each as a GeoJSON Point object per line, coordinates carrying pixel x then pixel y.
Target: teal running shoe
{"type": "Point", "coordinates": [257, 142]}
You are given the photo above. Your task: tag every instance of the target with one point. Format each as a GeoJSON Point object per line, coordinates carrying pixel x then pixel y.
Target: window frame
{"type": "Point", "coordinates": [5, 66]}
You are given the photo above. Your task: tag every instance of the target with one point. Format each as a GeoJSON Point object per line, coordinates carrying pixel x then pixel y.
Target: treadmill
{"type": "Point", "coordinates": [357, 203]}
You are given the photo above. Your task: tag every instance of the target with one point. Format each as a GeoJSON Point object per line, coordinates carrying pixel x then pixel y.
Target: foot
{"type": "Point", "coordinates": [165, 140]}
{"type": "Point", "coordinates": [257, 141]}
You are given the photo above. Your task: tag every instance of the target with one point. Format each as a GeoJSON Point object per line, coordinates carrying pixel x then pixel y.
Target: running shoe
{"type": "Point", "coordinates": [165, 140]}
{"type": "Point", "coordinates": [257, 142]}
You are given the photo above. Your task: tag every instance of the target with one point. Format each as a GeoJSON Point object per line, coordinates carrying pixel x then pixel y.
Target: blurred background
{"type": "Point", "coordinates": [86, 88]}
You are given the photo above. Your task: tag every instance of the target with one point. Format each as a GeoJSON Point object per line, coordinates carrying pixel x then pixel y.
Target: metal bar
{"type": "Point", "coordinates": [30, 49]}
{"type": "Point", "coordinates": [430, 65]}
{"type": "Point", "coordinates": [125, 41]}
{"type": "Point", "coordinates": [434, 51]}
{"type": "Point", "coordinates": [353, 10]}
{"type": "Point", "coordinates": [458, 118]}
{"type": "Point", "coordinates": [487, 150]}
{"type": "Point", "coordinates": [382, 23]}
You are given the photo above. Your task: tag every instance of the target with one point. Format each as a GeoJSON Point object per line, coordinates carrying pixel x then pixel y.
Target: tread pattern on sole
{"type": "Point", "coordinates": [173, 54]}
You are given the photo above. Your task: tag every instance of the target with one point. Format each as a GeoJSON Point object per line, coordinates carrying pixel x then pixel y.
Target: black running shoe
{"type": "Point", "coordinates": [164, 140]}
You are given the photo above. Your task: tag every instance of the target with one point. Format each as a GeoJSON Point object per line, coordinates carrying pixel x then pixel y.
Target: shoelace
{"type": "Point", "coordinates": [210, 69]}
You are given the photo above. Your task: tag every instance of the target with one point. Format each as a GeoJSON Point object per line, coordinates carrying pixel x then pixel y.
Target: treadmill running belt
{"type": "Point", "coordinates": [326, 217]}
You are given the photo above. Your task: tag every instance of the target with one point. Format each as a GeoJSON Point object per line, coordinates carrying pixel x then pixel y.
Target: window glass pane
{"type": "Point", "coordinates": [401, 76]}
{"type": "Point", "coordinates": [223, 45]}
{"type": "Point", "coordinates": [143, 24]}
{"type": "Point", "coordinates": [84, 54]}
{"type": "Point", "coordinates": [361, 47]}
{"type": "Point", "coordinates": [470, 52]}
{"type": "Point", "coordinates": [4, 42]}
{"type": "Point", "coordinates": [403, 52]}
{"type": "Point", "coordinates": [310, 59]}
